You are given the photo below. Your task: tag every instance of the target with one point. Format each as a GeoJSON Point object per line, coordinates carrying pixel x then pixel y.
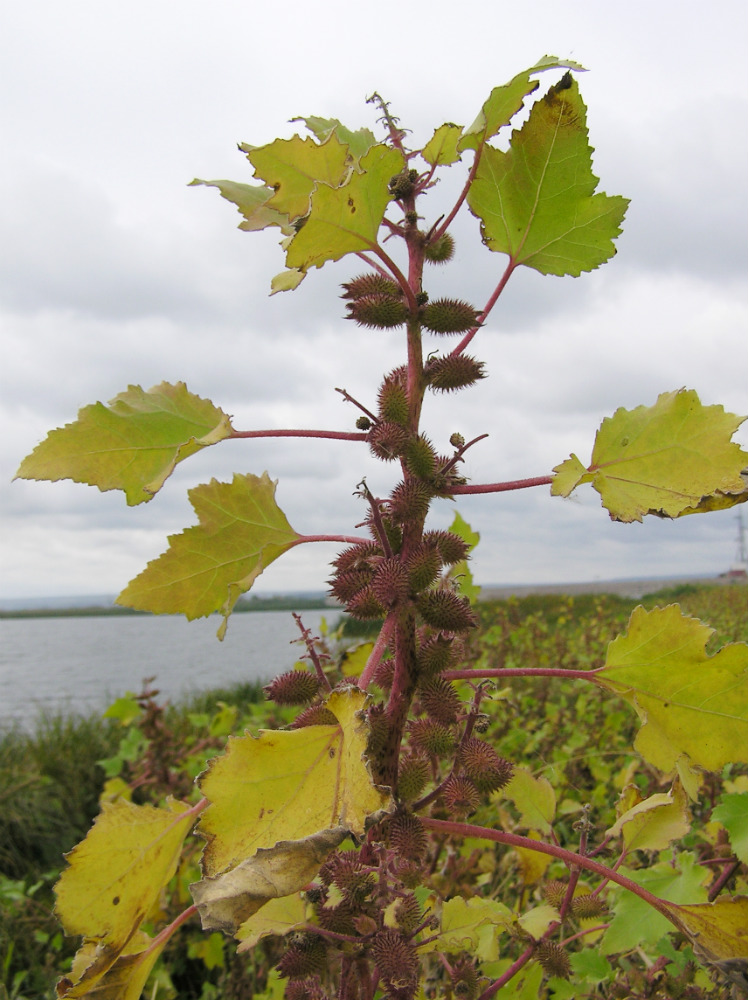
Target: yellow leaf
{"type": "Point", "coordinates": [277, 917]}
{"type": "Point", "coordinates": [354, 659]}
{"type": "Point", "coordinates": [719, 934]}
{"type": "Point", "coordinates": [688, 702]}
{"type": "Point", "coordinates": [652, 824]}
{"type": "Point", "coordinates": [532, 864]}
{"type": "Point", "coordinates": [464, 923]}
{"type": "Point", "coordinates": [537, 921]}
{"type": "Point", "coordinates": [290, 785]}
{"type": "Point", "coordinates": [94, 974]}
{"type": "Point", "coordinates": [534, 797]}
{"type": "Point", "coordinates": [116, 874]}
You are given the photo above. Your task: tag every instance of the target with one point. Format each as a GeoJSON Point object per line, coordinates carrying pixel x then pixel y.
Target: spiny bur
{"type": "Point", "coordinates": [372, 283]}
{"type": "Point", "coordinates": [452, 548]}
{"type": "Point", "coordinates": [397, 962]}
{"type": "Point", "coordinates": [420, 457]}
{"type": "Point", "coordinates": [447, 316]}
{"type": "Point", "coordinates": [485, 768]}
{"type": "Point", "coordinates": [407, 836]}
{"type": "Point", "coordinates": [553, 958]}
{"type": "Point", "coordinates": [379, 312]}
{"type": "Point", "coordinates": [460, 796]}
{"type": "Point", "coordinates": [423, 568]}
{"type": "Point", "coordinates": [295, 687]}
{"type": "Point", "coordinates": [314, 715]}
{"type": "Point", "coordinates": [432, 737]}
{"type": "Point", "coordinates": [440, 250]}
{"type": "Point", "coordinates": [393, 401]}
{"type": "Point", "coordinates": [390, 583]}
{"type": "Point", "coordinates": [388, 440]}
{"type": "Point", "coordinates": [410, 501]}
{"type": "Point", "coordinates": [413, 776]}
{"type": "Point", "coordinates": [586, 905]}
{"type": "Point", "coordinates": [446, 611]}
{"type": "Point", "coordinates": [452, 372]}
{"type": "Point", "coordinates": [440, 700]}
{"type": "Point", "coordinates": [554, 892]}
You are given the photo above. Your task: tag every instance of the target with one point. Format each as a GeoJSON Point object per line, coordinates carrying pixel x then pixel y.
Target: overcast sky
{"type": "Point", "coordinates": [114, 272]}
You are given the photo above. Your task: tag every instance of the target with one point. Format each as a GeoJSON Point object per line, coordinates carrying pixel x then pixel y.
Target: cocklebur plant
{"type": "Point", "coordinates": [331, 834]}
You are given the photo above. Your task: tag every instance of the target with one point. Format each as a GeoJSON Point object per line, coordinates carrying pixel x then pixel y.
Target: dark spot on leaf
{"type": "Point", "coordinates": [331, 752]}
{"type": "Point", "coordinates": [115, 901]}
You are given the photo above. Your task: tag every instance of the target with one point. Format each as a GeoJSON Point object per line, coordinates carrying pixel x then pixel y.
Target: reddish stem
{"type": "Point", "coordinates": [570, 858]}
{"type": "Point", "coordinates": [510, 973]}
{"type": "Point", "coordinates": [513, 484]}
{"type": "Point", "coordinates": [470, 675]}
{"type": "Point", "coordinates": [335, 435]}
{"type": "Point", "coordinates": [375, 657]}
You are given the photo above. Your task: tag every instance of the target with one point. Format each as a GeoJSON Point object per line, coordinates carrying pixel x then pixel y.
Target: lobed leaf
{"type": "Point", "coordinates": [124, 979]}
{"type": "Point", "coordinates": [534, 797]}
{"type": "Point", "coordinates": [689, 703]}
{"type": "Point", "coordinates": [279, 804]}
{"type": "Point", "coordinates": [209, 566]}
{"type": "Point", "coordinates": [132, 444]}
{"type": "Point", "coordinates": [346, 219]}
{"type": "Point", "coordinates": [537, 202]}
{"type": "Point", "coordinates": [505, 101]}
{"type": "Point", "coordinates": [719, 934]}
{"type": "Point", "coordinates": [471, 925]}
{"type": "Point", "coordinates": [115, 876]}
{"type": "Point", "coordinates": [441, 149]}
{"type": "Point", "coordinates": [293, 168]}
{"type": "Point", "coordinates": [252, 201]}
{"type": "Point", "coordinates": [732, 813]}
{"type": "Point", "coordinates": [653, 823]}
{"type": "Point", "coordinates": [669, 459]}
{"type": "Point", "coordinates": [359, 142]}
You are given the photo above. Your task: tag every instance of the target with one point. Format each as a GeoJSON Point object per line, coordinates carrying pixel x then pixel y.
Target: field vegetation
{"type": "Point", "coordinates": [578, 739]}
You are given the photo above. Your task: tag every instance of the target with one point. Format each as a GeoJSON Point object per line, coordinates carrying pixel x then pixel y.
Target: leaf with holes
{"type": "Point", "coordinates": [537, 201]}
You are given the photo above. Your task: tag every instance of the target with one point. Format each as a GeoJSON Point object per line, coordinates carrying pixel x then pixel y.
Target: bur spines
{"type": "Point", "coordinates": [372, 283]}
{"type": "Point", "coordinates": [295, 687]}
{"type": "Point", "coordinates": [440, 700]}
{"type": "Point", "coordinates": [452, 548]}
{"type": "Point", "coordinates": [413, 776]}
{"type": "Point", "coordinates": [407, 836]}
{"type": "Point", "coordinates": [445, 610]}
{"type": "Point", "coordinates": [388, 440]}
{"type": "Point", "coordinates": [485, 768]}
{"type": "Point", "coordinates": [446, 316]}
{"type": "Point", "coordinates": [379, 312]}
{"type": "Point", "coordinates": [453, 372]}
{"type": "Point", "coordinates": [553, 958]}
{"type": "Point", "coordinates": [440, 250]}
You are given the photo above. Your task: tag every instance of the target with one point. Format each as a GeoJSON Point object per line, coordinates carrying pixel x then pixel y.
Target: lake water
{"type": "Point", "coordinates": [83, 664]}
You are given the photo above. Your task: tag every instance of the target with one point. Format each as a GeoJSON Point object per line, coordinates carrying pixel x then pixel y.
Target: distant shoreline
{"type": "Point", "coordinates": [634, 588]}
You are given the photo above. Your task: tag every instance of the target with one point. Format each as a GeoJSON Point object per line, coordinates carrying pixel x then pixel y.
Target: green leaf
{"type": "Point", "coordinates": [635, 922]}
{"type": "Point", "coordinates": [461, 571]}
{"type": "Point", "coordinates": [536, 202]}
{"type": "Point", "coordinates": [347, 219]}
{"type": "Point", "coordinates": [252, 201]}
{"type": "Point", "coordinates": [358, 142]}
{"type": "Point", "coordinates": [471, 925]}
{"type": "Point", "coordinates": [505, 101]}
{"type": "Point", "coordinates": [293, 168]}
{"type": "Point", "coordinates": [732, 813]}
{"type": "Point", "coordinates": [209, 566]}
{"type": "Point", "coordinates": [689, 703]}
{"type": "Point", "coordinates": [662, 459]}
{"type": "Point", "coordinates": [441, 149]}
{"type": "Point", "coordinates": [131, 444]}
{"type": "Point", "coordinates": [534, 797]}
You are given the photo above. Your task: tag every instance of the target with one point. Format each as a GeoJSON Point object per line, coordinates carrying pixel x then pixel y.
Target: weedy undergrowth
{"type": "Point", "coordinates": [346, 834]}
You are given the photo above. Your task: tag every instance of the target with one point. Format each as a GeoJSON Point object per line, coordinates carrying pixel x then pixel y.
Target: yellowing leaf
{"type": "Point", "coordinates": [534, 797]}
{"type": "Point", "coordinates": [688, 702]}
{"type": "Point", "coordinates": [346, 219]}
{"type": "Point", "coordinates": [461, 571]}
{"type": "Point", "coordinates": [289, 785]}
{"type": "Point", "coordinates": [471, 925]}
{"type": "Point", "coordinates": [292, 168]}
{"type": "Point", "coordinates": [228, 901]}
{"type": "Point", "coordinates": [277, 917]}
{"type": "Point", "coordinates": [441, 149]}
{"type": "Point", "coordinates": [287, 280]}
{"type": "Point", "coordinates": [209, 566]}
{"type": "Point", "coordinates": [252, 201]}
{"type": "Point", "coordinates": [131, 444]}
{"type": "Point", "coordinates": [505, 101]}
{"type": "Point", "coordinates": [116, 874]}
{"type": "Point", "coordinates": [354, 659]}
{"type": "Point", "coordinates": [537, 920]}
{"type": "Point", "coordinates": [123, 979]}
{"type": "Point", "coordinates": [663, 459]}
{"type": "Point", "coordinates": [719, 934]}
{"type": "Point", "coordinates": [532, 864]}
{"type": "Point", "coordinates": [358, 142]}
{"type": "Point", "coordinates": [651, 825]}
{"type": "Point", "coordinates": [537, 201]}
